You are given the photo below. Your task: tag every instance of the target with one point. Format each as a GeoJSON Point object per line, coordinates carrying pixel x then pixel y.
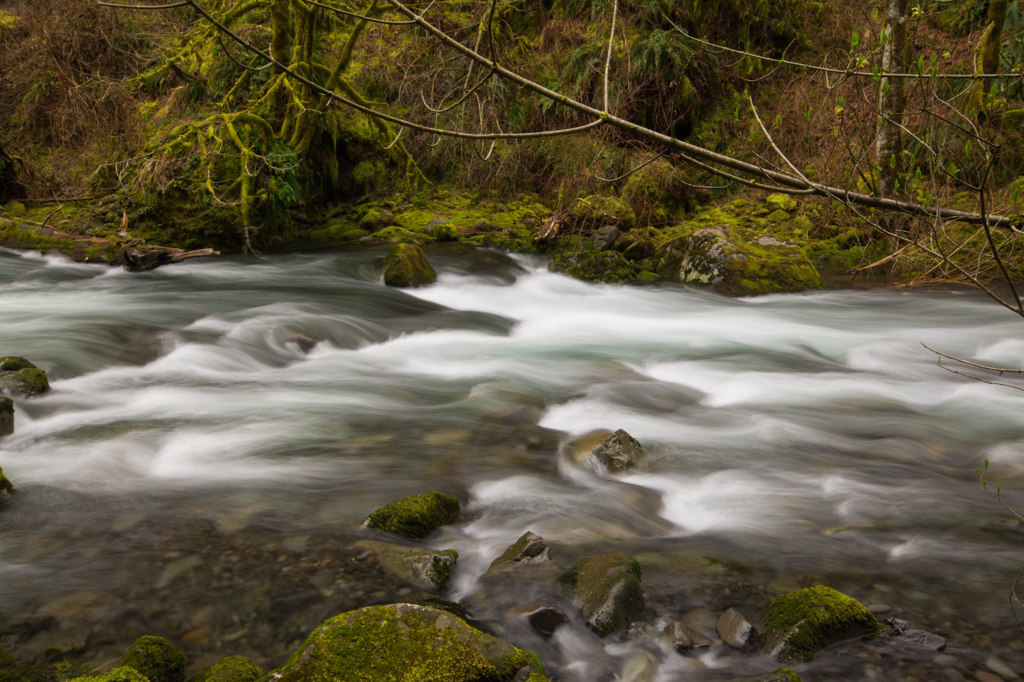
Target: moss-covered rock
{"type": "Point", "coordinates": [230, 669]}
{"type": "Point", "coordinates": [6, 416]}
{"type": "Point", "coordinates": [595, 266]}
{"type": "Point", "coordinates": [18, 376]}
{"type": "Point", "coordinates": [6, 487]}
{"type": "Point", "coordinates": [415, 516]}
{"type": "Point", "coordinates": [156, 658]}
{"type": "Point", "coordinates": [596, 210]}
{"type": "Point", "coordinates": [800, 623]}
{"type": "Point", "coordinates": [407, 266]}
{"type": "Point", "coordinates": [120, 674]}
{"type": "Point", "coordinates": [376, 219]}
{"type": "Point", "coordinates": [607, 589]}
{"type": "Point", "coordinates": [404, 642]}
{"type": "Point", "coordinates": [425, 568]}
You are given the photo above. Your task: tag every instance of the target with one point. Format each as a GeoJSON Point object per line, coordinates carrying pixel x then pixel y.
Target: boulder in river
{"type": "Point", "coordinates": [607, 589]}
{"type": "Point", "coordinates": [156, 658]}
{"type": "Point", "coordinates": [6, 416]}
{"type": "Point", "coordinates": [619, 452]}
{"type": "Point", "coordinates": [407, 266]}
{"type": "Point", "coordinates": [734, 629]}
{"type": "Point", "coordinates": [415, 516]}
{"type": "Point", "coordinates": [230, 669]}
{"type": "Point", "coordinates": [800, 623]}
{"type": "Point", "coordinates": [18, 376]}
{"type": "Point", "coordinates": [406, 642]}
{"type": "Point", "coordinates": [427, 569]}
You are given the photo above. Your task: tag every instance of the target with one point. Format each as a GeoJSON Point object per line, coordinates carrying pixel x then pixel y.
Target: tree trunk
{"type": "Point", "coordinates": [892, 99]}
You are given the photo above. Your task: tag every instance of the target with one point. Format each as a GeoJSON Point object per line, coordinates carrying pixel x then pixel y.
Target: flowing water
{"type": "Point", "coordinates": [218, 429]}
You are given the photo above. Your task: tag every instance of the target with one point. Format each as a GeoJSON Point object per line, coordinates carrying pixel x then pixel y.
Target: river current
{"type": "Point", "coordinates": [232, 412]}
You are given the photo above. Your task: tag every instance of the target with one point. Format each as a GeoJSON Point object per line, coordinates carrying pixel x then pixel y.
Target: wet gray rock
{"type": "Point", "coordinates": [680, 637]}
{"type": "Point", "coordinates": [605, 237]}
{"type": "Point", "coordinates": [545, 618]}
{"type": "Point", "coordinates": [518, 580]}
{"type": "Point", "coordinates": [606, 588]}
{"type": "Point", "coordinates": [619, 452]}
{"type": "Point", "coordinates": [734, 629]}
{"type": "Point", "coordinates": [424, 568]}
{"type": "Point", "coordinates": [529, 550]}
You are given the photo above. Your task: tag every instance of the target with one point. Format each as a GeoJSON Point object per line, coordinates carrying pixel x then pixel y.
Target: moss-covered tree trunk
{"type": "Point", "coordinates": [892, 98]}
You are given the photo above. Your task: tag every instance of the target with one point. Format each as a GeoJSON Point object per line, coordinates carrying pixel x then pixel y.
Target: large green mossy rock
{"type": "Point", "coordinates": [800, 623]}
{"type": "Point", "coordinates": [230, 669]}
{"type": "Point", "coordinates": [18, 376]}
{"type": "Point", "coordinates": [607, 589]}
{"type": "Point", "coordinates": [120, 674]}
{"type": "Point", "coordinates": [405, 643]}
{"type": "Point", "coordinates": [736, 260]}
{"type": "Point", "coordinates": [407, 266]}
{"type": "Point", "coordinates": [426, 569]}
{"type": "Point", "coordinates": [156, 658]}
{"type": "Point", "coordinates": [415, 516]}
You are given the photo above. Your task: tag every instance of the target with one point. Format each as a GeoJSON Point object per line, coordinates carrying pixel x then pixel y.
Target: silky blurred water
{"type": "Point", "coordinates": [798, 436]}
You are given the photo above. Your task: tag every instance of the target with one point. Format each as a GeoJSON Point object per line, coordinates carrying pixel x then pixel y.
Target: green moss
{"type": "Point", "coordinates": [810, 619]}
{"type": "Point", "coordinates": [156, 658]}
{"type": "Point", "coordinates": [607, 589]}
{"type": "Point", "coordinates": [403, 643]}
{"type": "Point", "coordinates": [424, 568]}
{"type": "Point", "coordinates": [596, 210]}
{"type": "Point", "coordinates": [407, 266]}
{"type": "Point", "coordinates": [13, 363]}
{"type": "Point", "coordinates": [120, 674]}
{"type": "Point", "coordinates": [230, 669]}
{"type": "Point", "coordinates": [415, 516]}
{"type": "Point", "coordinates": [29, 381]}
{"type": "Point", "coordinates": [591, 266]}
{"type": "Point", "coordinates": [6, 487]}
{"type": "Point", "coordinates": [400, 235]}
{"type": "Point", "coordinates": [15, 209]}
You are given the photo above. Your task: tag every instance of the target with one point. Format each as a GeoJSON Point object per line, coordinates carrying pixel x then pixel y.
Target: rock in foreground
{"type": "Point", "coordinates": [405, 642]}
{"type": "Point", "coordinates": [18, 376]}
{"type": "Point", "coordinates": [407, 266]}
{"type": "Point", "coordinates": [607, 590]}
{"type": "Point", "coordinates": [800, 623]}
{"type": "Point", "coordinates": [415, 516]}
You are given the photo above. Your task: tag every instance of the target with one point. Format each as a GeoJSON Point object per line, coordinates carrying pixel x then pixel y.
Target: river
{"type": "Point", "coordinates": [222, 426]}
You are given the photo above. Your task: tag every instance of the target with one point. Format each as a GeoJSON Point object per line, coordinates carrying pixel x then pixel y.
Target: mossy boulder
{"type": "Point", "coordinates": [415, 516]}
{"type": "Point", "coordinates": [606, 588]}
{"type": "Point", "coordinates": [800, 623]}
{"type": "Point", "coordinates": [595, 266]}
{"type": "Point", "coordinates": [737, 260]}
{"type": "Point", "coordinates": [119, 674]}
{"type": "Point", "coordinates": [427, 569]}
{"type": "Point", "coordinates": [18, 376]}
{"type": "Point", "coordinates": [405, 642]}
{"type": "Point", "coordinates": [376, 219]}
{"type": "Point", "coordinates": [230, 669]}
{"type": "Point", "coordinates": [6, 416]}
{"type": "Point", "coordinates": [156, 659]}
{"type": "Point", "coordinates": [407, 266]}
{"type": "Point", "coordinates": [6, 487]}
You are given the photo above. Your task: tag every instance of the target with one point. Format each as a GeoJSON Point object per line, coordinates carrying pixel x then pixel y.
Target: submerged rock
{"type": "Point", "coordinates": [6, 416]}
{"type": "Point", "coordinates": [607, 590]}
{"type": "Point", "coordinates": [529, 550]}
{"type": "Point", "coordinates": [619, 452]}
{"type": "Point", "coordinates": [734, 629]}
{"type": "Point", "coordinates": [405, 642]}
{"type": "Point", "coordinates": [522, 582]}
{"type": "Point", "coordinates": [18, 376]}
{"type": "Point", "coordinates": [407, 266]}
{"type": "Point", "coordinates": [415, 516]}
{"type": "Point", "coordinates": [800, 623]}
{"type": "Point", "coordinates": [681, 637]}
{"type": "Point", "coordinates": [230, 669]}
{"type": "Point", "coordinates": [427, 569]}
{"type": "Point", "coordinates": [156, 659]}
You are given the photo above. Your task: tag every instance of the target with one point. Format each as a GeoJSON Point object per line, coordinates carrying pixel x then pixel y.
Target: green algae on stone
{"type": "Point", "coordinates": [156, 658]}
{"type": "Point", "coordinates": [800, 623]}
{"type": "Point", "coordinates": [425, 568]}
{"type": "Point", "coordinates": [121, 673]}
{"type": "Point", "coordinates": [415, 516]}
{"type": "Point", "coordinates": [18, 376]}
{"type": "Point", "coordinates": [590, 266]}
{"type": "Point", "coordinates": [407, 266]}
{"type": "Point", "coordinates": [6, 487]}
{"type": "Point", "coordinates": [607, 590]}
{"type": "Point", "coordinates": [230, 669]}
{"type": "Point", "coordinates": [404, 643]}
{"type": "Point", "coordinates": [13, 363]}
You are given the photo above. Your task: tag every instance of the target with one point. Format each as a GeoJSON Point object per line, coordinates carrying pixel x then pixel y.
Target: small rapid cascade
{"type": "Point", "coordinates": [217, 431]}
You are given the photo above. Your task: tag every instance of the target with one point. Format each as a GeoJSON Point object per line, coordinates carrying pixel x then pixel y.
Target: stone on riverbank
{"type": "Point", "coordinates": [18, 376]}
{"type": "Point", "coordinates": [156, 659]}
{"type": "Point", "coordinates": [607, 590]}
{"type": "Point", "coordinates": [427, 569]}
{"type": "Point", "coordinates": [6, 416]}
{"type": "Point", "coordinates": [407, 266]}
{"type": "Point", "coordinates": [405, 642]}
{"type": "Point", "coordinates": [800, 623]}
{"type": "Point", "coordinates": [230, 669]}
{"type": "Point", "coordinates": [415, 516]}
